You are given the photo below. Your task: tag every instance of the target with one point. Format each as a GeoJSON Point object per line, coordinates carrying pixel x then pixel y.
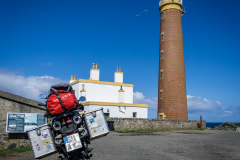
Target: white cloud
{"type": "Point", "coordinates": [212, 111]}
{"type": "Point", "coordinates": [229, 112]}
{"type": "Point", "coordinates": [47, 64]}
{"type": "Point", "coordinates": [139, 98]}
{"type": "Point", "coordinates": [29, 87]}
{"type": "Point", "coordinates": [197, 104]}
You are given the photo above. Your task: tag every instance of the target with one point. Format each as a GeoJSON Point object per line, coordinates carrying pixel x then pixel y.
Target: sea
{"type": "Point", "coordinates": [214, 124]}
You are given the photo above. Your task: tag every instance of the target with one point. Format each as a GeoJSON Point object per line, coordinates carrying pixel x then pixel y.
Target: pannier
{"type": "Point", "coordinates": [61, 98]}
{"type": "Point", "coordinates": [41, 140]}
{"type": "Point", "coordinates": [96, 123]}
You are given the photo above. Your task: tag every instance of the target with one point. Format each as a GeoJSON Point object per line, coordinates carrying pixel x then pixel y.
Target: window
{"type": "Point", "coordinates": [162, 15]}
{"type": "Point", "coordinates": [161, 55]}
{"type": "Point", "coordinates": [161, 94]}
{"type": "Point", "coordinates": [161, 117]}
{"type": "Point", "coordinates": [161, 74]}
{"type": "Point", "coordinates": [134, 114]}
{"type": "Point", "coordinates": [106, 115]}
{"type": "Point", "coordinates": [162, 36]}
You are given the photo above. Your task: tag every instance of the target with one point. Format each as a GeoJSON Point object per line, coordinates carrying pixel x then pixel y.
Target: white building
{"type": "Point", "coordinates": [116, 98]}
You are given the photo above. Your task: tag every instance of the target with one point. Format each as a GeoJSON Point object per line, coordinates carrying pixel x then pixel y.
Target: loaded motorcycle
{"type": "Point", "coordinates": [70, 130]}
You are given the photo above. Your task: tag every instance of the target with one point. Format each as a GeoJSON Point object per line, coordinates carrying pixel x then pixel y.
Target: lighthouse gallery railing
{"type": "Point", "coordinates": [162, 1]}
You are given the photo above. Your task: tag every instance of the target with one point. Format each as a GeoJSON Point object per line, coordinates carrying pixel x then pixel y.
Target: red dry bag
{"type": "Point", "coordinates": [61, 99]}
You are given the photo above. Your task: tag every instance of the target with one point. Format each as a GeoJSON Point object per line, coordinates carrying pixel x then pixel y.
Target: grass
{"type": "Point", "coordinates": [18, 150]}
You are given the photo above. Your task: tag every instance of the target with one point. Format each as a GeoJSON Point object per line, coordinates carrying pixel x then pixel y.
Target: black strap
{"type": "Point", "coordinates": [60, 101]}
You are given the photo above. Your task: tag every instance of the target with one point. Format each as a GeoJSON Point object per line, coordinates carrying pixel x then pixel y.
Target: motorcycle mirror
{"type": "Point", "coordinates": [82, 98]}
{"type": "Point", "coordinates": [43, 96]}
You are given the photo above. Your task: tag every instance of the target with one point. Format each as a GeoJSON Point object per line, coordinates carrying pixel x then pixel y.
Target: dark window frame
{"type": "Point", "coordinates": [135, 114]}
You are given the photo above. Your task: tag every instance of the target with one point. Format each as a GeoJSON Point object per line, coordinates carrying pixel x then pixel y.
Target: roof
{"type": "Point", "coordinates": [101, 82]}
{"type": "Point", "coordinates": [20, 99]}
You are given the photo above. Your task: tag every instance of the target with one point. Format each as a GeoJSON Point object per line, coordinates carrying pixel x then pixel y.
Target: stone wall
{"type": "Point", "coordinates": [13, 103]}
{"type": "Point", "coordinates": [153, 124]}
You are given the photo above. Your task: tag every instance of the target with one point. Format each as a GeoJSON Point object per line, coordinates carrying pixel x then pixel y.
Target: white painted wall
{"type": "Point", "coordinates": [94, 74]}
{"type": "Point", "coordinates": [71, 80]}
{"type": "Point", "coordinates": [77, 91]}
{"type": "Point", "coordinates": [120, 96]}
{"type": "Point", "coordinates": [103, 92]}
{"type": "Point", "coordinates": [109, 93]}
{"type": "Point", "coordinates": [118, 77]}
{"type": "Point", "coordinates": [83, 94]}
{"type": "Point", "coordinates": [115, 111]}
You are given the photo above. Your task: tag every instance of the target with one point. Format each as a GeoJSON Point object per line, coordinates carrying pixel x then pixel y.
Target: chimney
{"type": "Point", "coordinates": [118, 76]}
{"type": "Point", "coordinates": [71, 80]}
{"type": "Point", "coordinates": [94, 72]}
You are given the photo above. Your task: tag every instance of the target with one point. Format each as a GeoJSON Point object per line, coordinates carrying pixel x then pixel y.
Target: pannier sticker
{"type": "Point", "coordinates": [48, 148]}
{"type": "Point", "coordinates": [46, 142]}
{"type": "Point", "coordinates": [38, 147]}
{"type": "Point", "coordinates": [34, 142]}
{"type": "Point", "coordinates": [91, 120]}
{"type": "Point", "coordinates": [94, 131]}
{"type": "Point", "coordinates": [44, 135]}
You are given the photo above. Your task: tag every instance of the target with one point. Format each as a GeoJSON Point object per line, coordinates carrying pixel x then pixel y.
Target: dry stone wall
{"type": "Point", "coordinates": [153, 124]}
{"type": "Point", "coordinates": [13, 103]}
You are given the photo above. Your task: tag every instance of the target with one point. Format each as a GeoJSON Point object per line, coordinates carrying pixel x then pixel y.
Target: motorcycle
{"type": "Point", "coordinates": [70, 133]}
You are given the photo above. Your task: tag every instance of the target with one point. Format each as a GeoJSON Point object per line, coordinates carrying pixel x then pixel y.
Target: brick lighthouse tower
{"type": "Point", "coordinates": [172, 100]}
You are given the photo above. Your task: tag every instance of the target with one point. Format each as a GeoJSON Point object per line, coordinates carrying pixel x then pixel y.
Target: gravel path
{"type": "Point", "coordinates": [174, 145]}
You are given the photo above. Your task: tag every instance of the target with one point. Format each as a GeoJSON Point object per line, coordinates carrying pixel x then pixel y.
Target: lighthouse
{"type": "Point", "coordinates": [172, 98]}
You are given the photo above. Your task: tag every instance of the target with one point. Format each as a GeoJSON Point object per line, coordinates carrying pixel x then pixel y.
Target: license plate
{"type": "Point", "coordinates": [72, 142]}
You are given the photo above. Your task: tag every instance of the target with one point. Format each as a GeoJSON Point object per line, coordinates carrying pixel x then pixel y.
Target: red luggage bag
{"type": "Point", "coordinates": [61, 100]}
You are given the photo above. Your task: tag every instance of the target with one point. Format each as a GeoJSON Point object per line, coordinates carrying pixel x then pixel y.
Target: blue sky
{"type": "Point", "coordinates": [44, 42]}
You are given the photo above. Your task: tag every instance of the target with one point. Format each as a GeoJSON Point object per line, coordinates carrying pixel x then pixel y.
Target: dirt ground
{"type": "Point", "coordinates": [172, 145]}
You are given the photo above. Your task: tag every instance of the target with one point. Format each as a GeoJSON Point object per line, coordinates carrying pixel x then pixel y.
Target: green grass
{"type": "Point", "coordinates": [9, 151]}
